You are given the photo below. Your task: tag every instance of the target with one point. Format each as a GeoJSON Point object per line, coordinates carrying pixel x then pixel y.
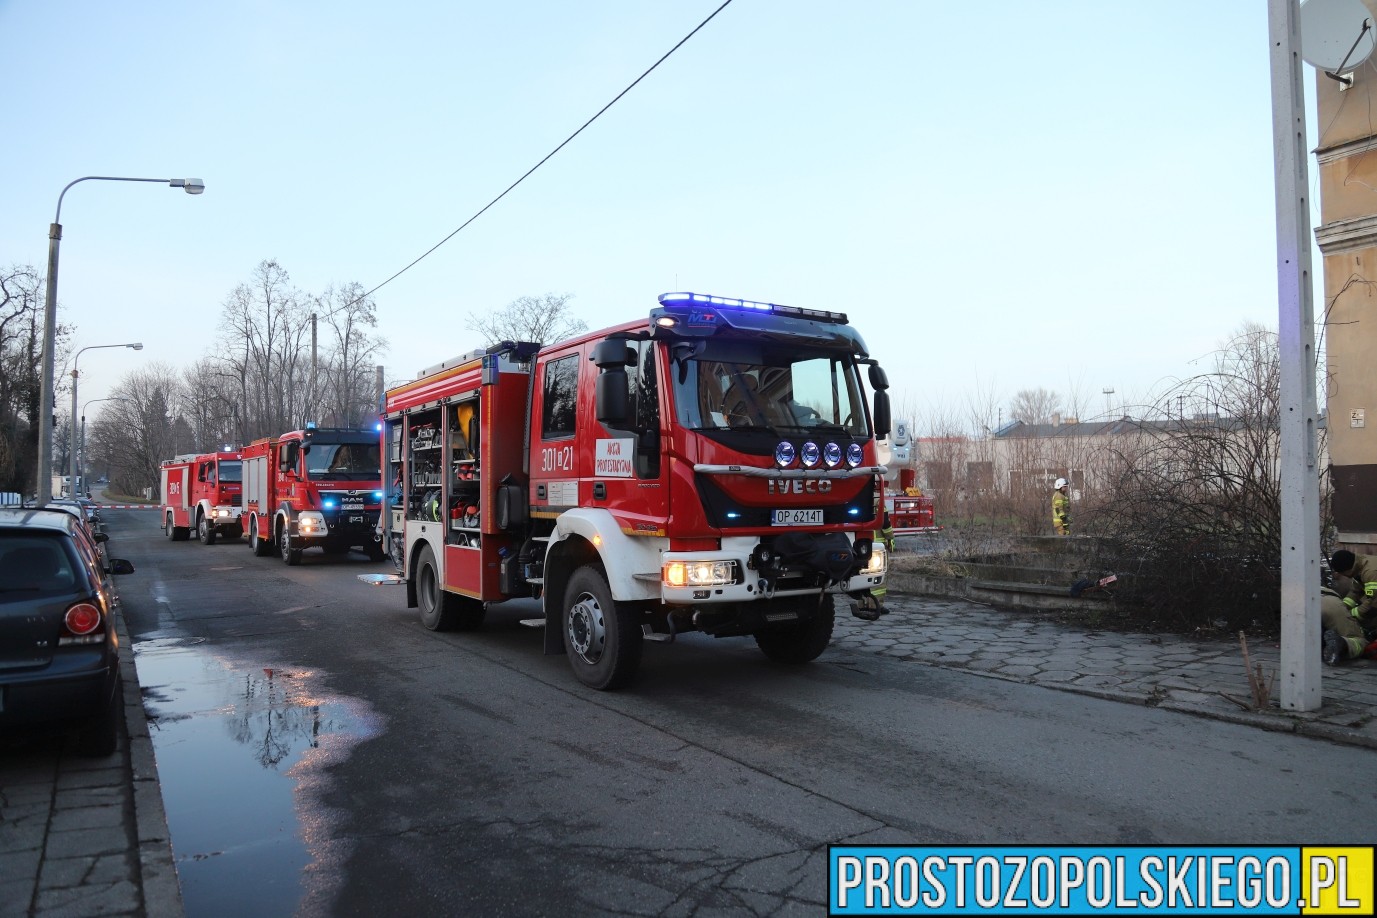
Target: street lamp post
{"type": "Point", "coordinates": [75, 467]}
{"type": "Point", "coordinates": [45, 411]}
{"type": "Point", "coordinates": [112, 398]}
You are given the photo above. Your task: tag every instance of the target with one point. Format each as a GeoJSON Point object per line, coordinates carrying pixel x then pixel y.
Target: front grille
{"type": "Point", "coordinates": [236, 500]}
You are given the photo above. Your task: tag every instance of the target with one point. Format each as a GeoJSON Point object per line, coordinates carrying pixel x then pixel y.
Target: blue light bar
{"type": "Point", "coordinates": [703, 299]}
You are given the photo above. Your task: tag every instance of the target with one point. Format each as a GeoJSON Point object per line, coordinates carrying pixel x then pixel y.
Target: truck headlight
{"type": "Point", "coordinates": [698, 573]}
{"type": "Point", "coordinates": [222, 513]}
{"type": "Point", "coordinates": [879, 559]}
{"type": "Point", "coordinates": [311, 522]}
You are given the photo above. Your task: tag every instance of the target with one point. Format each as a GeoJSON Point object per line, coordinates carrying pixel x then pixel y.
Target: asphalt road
{"type": "Point", "coordinates": [322, 753]}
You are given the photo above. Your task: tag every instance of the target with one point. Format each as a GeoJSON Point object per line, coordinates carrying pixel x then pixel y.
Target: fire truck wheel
{"type": "Point", "coordinates": [436, 612]}
{"type": "Point", "coordinates": [803, 641]}
{"type": "Point", "coordinates": [175, 533]}
{"type": "Point", "coordinates": [602, 638]}
{"type": "Point", "coordinates": [261, 547]}
{"type": "Point", "coordinates": [290, 555]}
{"type": "Point", "coordinates": [205, 530]}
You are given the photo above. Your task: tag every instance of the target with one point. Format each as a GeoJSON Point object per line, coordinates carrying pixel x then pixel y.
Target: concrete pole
{"type": "Point", "coordinates": [45, 383]}
{"type": "Point", "coordinates": [315, 398]}
{"type": "Point", "coordinates": [1300, 491]}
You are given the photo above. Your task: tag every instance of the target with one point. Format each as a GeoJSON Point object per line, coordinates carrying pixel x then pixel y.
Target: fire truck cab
{"type": "Point", "coordinates": [202, 493]}
{"type": "Point", "coordinates": [709, 468]}
{"type": "Point", "coordinates": [313, 487]}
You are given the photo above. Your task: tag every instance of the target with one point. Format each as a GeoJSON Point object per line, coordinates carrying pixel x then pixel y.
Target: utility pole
{"type": "Point", "coordinates": [315, 399]}
{"type": "Point", "coordinates": [1299, 471]}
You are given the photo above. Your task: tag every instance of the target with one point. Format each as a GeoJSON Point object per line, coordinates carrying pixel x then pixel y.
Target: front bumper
{"type": "Point", "coordinates": [748, 586]}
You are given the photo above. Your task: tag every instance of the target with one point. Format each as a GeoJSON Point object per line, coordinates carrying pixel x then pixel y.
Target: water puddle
{"type": "Point", "coordinates": [240, 753]}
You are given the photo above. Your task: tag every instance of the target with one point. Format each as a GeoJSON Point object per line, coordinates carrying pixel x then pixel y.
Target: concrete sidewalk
{"type": "Point", "coordinates": [1205, 677]}
{"type": "Point", "coordinates": [82, 837]}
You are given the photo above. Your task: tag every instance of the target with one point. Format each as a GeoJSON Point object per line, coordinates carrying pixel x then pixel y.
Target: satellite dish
{"type": "Point", "coordinates": [1336, 34]}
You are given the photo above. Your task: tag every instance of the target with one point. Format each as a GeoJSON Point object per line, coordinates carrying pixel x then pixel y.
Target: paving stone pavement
{"type": "Point", "coordinates": [1201, 676]}
{"type": "Point", "coordinates": [83, 837]}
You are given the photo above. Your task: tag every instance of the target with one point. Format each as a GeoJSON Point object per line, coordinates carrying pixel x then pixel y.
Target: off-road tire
{"type": "Point", "coordinates": [602, 637]}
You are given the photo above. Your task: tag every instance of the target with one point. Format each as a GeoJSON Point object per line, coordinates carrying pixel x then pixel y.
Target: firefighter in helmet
{"type": "Point", "coordinates": [1061, 508]}
{"type": "Point", "coordinates": [1350, 618]}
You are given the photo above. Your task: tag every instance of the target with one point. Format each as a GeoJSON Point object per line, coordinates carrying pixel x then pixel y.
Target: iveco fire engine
{"type": "Point", "coordinates": [313, 487]}
{"type": "Point", "coordinates": [201, 494]}
{"type": "Point", "coordinates": [711, 468]}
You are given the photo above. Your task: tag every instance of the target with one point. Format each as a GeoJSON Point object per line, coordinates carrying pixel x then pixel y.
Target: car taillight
{"type": "Point", "coordinates": [82, 619]}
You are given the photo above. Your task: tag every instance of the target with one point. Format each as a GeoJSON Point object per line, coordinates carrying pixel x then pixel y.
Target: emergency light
{"type": "Point", "coordinates": [703, 299]}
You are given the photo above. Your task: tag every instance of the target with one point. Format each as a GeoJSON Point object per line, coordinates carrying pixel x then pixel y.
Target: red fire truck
{"type": "Point", "coordinates": [313, 487]}
{"type": "Point", "coordinates": [711, 468]}
{"type": "Point", "coordinates": [201, 493]}
{"type": "Point", "coordinates": [910, 512]}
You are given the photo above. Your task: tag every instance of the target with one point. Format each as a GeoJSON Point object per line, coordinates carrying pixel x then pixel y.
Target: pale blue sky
{"type": "Point", "coordinates": [1002, 195]}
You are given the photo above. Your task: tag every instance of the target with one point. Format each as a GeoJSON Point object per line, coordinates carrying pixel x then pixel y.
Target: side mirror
{"type": "Point", "coordinates": [881, 414]}
{"type": "Point", "coordinates": [121, 566]}
{"type": "Point", "coordinates": [878, 379]}
{"type": "Point", "coordinates": [613, 397]}
{"type": "Point", "coordinates": [611, 353]}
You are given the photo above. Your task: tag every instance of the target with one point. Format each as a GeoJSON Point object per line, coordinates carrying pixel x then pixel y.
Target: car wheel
{"type": "Point", "coordinates": [261, 547]}
{"type": "Point", "coordinates": [168, 528]}
{"type": "Point", "coordinates": [99, 737]}
{"type": "Point", "coordinates": [602, 638]}
{"type": "Point", "coordinates": [290, 555]}
{"type": "Point", "coordinates": [205, 530]}
{"type": "Point", "coordinates": [803, 641]}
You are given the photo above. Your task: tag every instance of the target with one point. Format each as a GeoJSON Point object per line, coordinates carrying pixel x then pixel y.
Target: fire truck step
{"type": "Point", "coordinates": [382, 579]}
{"type": "Point", "coordinates": [651, 635]}
{"type": "Point", "coordinates": [533, 622]}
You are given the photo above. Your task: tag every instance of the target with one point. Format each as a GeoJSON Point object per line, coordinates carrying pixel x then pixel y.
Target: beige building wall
{"type": "Point", "coordinates": [1347, 236]}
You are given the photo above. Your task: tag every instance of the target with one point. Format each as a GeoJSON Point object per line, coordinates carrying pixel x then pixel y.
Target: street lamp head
{"type": "Point", "coordinates": [137, 347]}
{"type": "Point", "coordinates": [191, 185]}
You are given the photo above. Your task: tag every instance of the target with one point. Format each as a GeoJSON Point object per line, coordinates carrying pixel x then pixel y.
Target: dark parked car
{"type": "Point", "coordinates": [59, 660]}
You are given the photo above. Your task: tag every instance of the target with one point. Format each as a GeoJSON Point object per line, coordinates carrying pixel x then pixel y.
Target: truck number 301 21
{"type": "Point", "coordinates": [557, 458]}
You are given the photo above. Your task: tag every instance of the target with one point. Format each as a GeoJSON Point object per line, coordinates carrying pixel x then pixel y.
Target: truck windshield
{"type": "Point", "coordinates": [343, 461]}
{"type": "Point", "coordinates": [737, 384]}
{"type": "Point", "coordinates": [231, 470]}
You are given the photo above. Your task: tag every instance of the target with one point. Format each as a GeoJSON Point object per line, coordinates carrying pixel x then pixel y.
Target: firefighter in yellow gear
{"type": "Point", "coordinates": [869, 608]}
{"type": "Point", "coordinates": [1348, 619]}
{"type": "Point", "coordinates": [884, 535]}
{"type": "Point", "coordinates": [1061, 508]}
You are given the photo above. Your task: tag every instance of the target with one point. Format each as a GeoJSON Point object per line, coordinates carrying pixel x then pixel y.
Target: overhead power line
{"type": "Point", "coordinates": [547, 156]}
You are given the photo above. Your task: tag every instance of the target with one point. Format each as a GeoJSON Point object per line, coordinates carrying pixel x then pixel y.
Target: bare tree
{"type": "Point", "coordinates": [1195, 514]}
{"type": "Point", "coordinates": [1034, 406]}
{"type": "Point", "coordinates": [544, 319]}
{"type": "Point", "coordinates": [346, 391]}
{"type": "Point", "coordinates": [136, 433]}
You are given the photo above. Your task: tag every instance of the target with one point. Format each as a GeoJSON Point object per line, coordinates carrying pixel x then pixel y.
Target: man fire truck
{"type": "Point", "coordinates": [201, 494]}
{"type": "Point", "coordinates": [712, 468]}
{"type": "Point", "coordinates": [313, 487]}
